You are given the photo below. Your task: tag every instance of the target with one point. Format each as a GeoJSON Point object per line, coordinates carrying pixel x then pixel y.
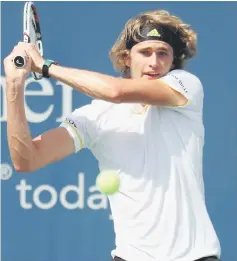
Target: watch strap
{"type": "Point", "coordinates": [45, 68]}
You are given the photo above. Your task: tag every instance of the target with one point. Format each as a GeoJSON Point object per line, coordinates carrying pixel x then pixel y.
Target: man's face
{"type": "Point", "coordinates": [150, 59]}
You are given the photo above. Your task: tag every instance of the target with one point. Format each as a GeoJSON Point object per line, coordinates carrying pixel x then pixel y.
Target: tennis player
{"type": "Point", "coordinates": [147, 125]}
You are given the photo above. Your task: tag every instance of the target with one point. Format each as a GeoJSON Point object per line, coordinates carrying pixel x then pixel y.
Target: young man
{"type": "Point", "coordinates": [147, 125]}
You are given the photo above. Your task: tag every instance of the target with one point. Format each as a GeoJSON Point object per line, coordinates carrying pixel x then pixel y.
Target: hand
{"type": "Point", "coordinates": [37, 60]}
{"type": "Point", "coordinates": [13, 73]}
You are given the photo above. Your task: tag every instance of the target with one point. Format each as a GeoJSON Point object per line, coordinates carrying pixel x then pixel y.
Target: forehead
{"type": "Point", "coordinates": [153, 44]}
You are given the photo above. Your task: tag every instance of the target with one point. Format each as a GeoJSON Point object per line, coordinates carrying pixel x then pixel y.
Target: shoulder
{"type": "Point", "coordinates": [184, 81]}
{"type": "Point", "coordinates": [184, 75]}
{"type": "Point", "coordinates": [96, 106]}
{"type": "Point", "coordinates": [101, 104]}
{"type": "Point", "coordinates": [96, 110]}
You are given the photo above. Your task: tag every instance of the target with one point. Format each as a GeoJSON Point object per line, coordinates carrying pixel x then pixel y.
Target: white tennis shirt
{"type": "Point", "coordinates": [159, 212]}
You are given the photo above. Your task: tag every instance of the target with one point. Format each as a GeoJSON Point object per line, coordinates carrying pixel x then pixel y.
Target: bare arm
{"type": "Point", "coordinates": [18, 133]}
{"type": "Point", "coordinates": [117, 90]}
{"type": "Point", "coordinates": [27, 154]}
{"type": "Point", "coordinates": [109, 88]}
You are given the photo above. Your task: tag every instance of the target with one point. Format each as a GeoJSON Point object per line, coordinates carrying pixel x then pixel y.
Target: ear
{"type": "Point", "coordinates": [128, 60]}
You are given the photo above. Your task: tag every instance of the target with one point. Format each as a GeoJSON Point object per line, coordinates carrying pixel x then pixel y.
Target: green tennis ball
{"type": "Point", "coordinates": [108, 182]}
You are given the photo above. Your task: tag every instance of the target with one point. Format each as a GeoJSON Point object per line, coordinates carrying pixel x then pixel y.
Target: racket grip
{"type": "Point", "coordinates": [19, 61]}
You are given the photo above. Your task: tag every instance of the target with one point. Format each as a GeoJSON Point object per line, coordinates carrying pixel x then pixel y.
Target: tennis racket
{"type": "Point", "coordinates": [31, 34]}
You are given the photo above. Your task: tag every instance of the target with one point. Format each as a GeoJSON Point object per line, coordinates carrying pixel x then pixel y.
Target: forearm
{"type": "Point", "coordinates": [118, 90]}
{"type": "Point", "coordinates": [93, 84]}
{"type": "Point", "coordinates": [18, 132]}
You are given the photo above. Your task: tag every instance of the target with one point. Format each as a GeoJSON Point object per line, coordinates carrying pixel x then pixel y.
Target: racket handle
{"type": "Point", "coordinates": [19, 61]}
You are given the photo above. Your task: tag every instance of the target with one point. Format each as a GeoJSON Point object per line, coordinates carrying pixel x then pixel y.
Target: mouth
{"type": "Point", "coordinates": [151, 75]}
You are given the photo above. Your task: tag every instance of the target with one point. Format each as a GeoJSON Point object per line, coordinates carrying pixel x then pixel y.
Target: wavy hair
{"type": "Point", "coordinates": [119, 52]}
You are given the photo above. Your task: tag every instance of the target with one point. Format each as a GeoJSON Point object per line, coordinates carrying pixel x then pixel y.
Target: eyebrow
{"type": "Point", "coordinates": [158, 49]}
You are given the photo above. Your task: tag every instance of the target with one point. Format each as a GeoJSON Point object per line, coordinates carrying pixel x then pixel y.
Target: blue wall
{"type": "Point", "coordinates": [38, 222]}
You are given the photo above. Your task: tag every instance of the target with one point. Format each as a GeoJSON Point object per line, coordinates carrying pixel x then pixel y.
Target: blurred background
{"type": "Point", "coordinates": [56, 213]}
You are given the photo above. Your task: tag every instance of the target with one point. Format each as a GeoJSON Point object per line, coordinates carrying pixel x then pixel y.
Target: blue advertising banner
{"type": "Point", "coordinates": [56, 213]}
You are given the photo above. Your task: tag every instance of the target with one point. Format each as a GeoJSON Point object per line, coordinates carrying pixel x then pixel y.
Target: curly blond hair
{"type": "Point", "coordinates": [132, 28]}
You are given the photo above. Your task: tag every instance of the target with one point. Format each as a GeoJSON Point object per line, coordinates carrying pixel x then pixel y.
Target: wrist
{"type": "Point", "coordinates": [45, 68]}
{"type": "Point", "coordinates": [15, 81]}
{"type": "Point", "coordinates": [40, 66]}
{"type": "Point", "coordinates": [15, 89]}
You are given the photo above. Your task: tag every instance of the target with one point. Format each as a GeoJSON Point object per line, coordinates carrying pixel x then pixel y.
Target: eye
{"type": "Point", "coordinates": [162, 53]}
{"type": "Point", "coordinates": [145, 52]}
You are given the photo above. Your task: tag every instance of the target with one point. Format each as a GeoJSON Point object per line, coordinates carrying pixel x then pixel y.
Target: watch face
{"type": "Point", "coordinates": [19, 61]}
{"type": "Point", "coordinates": [49, 62]}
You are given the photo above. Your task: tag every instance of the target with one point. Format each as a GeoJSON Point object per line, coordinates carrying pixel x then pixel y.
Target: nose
{"type": "Point", "coordinates": [153, 62]}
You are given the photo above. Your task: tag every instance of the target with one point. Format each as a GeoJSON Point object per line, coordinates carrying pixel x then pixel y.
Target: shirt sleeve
{"type": "Point", "coordinates": [187, 84]}
{"type": "Point", "coordinates": [83, 124]}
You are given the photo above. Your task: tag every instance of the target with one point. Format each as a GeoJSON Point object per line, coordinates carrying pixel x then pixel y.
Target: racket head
{"type": "Point", "coordinates": [31, 31]}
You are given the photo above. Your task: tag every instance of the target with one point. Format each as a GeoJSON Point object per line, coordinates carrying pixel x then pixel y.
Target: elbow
{"type": "Point", "coordinates": [116, 94]}
{"type": "Point", "coordinates": [23, 167]}
{"type": "Point", "coordinates": [23, 160]}
{"type": "Point", "coordinates": [21, 170]}
{"type": "Point", "coordinates": [115, 97]}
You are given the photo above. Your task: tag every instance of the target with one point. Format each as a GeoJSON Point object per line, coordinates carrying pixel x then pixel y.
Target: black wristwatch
{"type": "Point", "coordinates": [45, 69]}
